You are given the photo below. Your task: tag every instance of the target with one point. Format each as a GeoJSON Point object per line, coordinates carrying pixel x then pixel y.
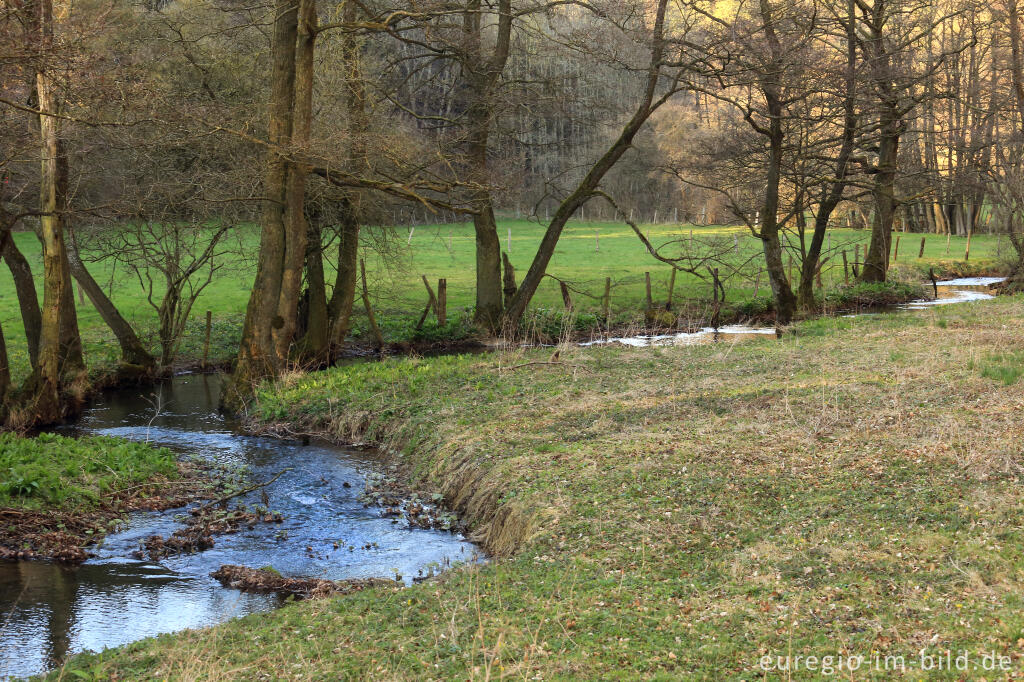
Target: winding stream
{"type": "Point", "coordinates": [963, 290]}
{"type": "Point", "coordinates": [48, 611]}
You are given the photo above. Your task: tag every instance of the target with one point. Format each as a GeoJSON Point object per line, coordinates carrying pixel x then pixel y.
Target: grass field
{"type": "Point", "coordinates": [586, 255]}
{"type": "Point", "coordinates": [851, 490]}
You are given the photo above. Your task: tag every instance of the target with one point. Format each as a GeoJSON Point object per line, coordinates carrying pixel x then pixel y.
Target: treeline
{"type": "Point", "coordinates": [145, 132]}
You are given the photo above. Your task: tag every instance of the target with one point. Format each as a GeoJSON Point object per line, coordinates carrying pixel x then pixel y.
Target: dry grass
{"type": "Point", "coordinates": [675, 512]}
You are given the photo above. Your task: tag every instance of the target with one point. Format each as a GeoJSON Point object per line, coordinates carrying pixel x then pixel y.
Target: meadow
{"type": "Point", "coordinates": [588, 253]}
{"type": "Point", "coordinates": [850, 491]}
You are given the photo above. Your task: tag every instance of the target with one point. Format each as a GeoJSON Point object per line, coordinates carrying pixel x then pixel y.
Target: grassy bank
{"type": "Point", "coordinates": [57, 495]}
{"type": "Point", "coordinates": [853, 489]}
{"type": "Point", "coordinates": [587, 253]}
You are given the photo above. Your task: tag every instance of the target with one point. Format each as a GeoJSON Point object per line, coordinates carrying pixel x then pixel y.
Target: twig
{"type": "Point", "coordinates": [242, 492]}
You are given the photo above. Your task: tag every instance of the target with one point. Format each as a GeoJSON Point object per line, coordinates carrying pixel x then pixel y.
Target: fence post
{"type": "Point", "coordinates": [967, 251]}
{"type": "Point", "coordinates": [431, 303]}
{"type": "Point", "coordinates": [846, 269]}
{"type": "Point", "coordinates": [566, 298]}
{"type": "Point", "coordinates": [896, 251]}
{"type": "Point", "coordinates": [378, 337]}
{"type": "Point", "coordinates": [920, 253]}
{"type": "Point", "coordinates": [671, 288]}
{"type": "Point", "coordinates": [607, 298]}
{"type": "Point", "coordinates": [442, 301]}
{"type": "Point", "coordinates": [647, 301]}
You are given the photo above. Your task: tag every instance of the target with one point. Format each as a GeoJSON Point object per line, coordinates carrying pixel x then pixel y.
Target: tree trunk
{"type": "Point", "coordinates": [28, 299]}
{"type": "Point", "coordinates": [834, 194]}
{"type": "Point", "coordinates": [782, 293]}
{"type": "Point", "coordinates": [5, 376]}
{"type": "Point", "coordinates": [257, 356]}
{"type": "Point", "coordinates": [60, 363]}
{"type": "Point", "coordinates": [133, 353]}
{"type": "Point", "coordinates": [339, 310]}
{"type": "Point", "coordinates": [587, 187]}
{"type": "Point", "coordinates": [296, 229]}
{"type": "Point", "coordinates": [482, 76]}
{"type": "Point", "coordinates": [876, 265]}
{"type": "Point", "coordinates": [890, 129]}
{"type": "Point", "coordinates": [314, 344]}
{"type": "Point", "coordinates": [488, 268]}
{"type": "Point", "coordinates": [343, 297]}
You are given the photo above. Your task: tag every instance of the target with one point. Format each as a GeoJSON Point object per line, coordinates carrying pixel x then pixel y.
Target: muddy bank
{"type": "Point", "coordinates": [67, 535]}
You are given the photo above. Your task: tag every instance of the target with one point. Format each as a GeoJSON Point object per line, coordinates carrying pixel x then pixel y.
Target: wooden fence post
{"type": "Point", "coordinates": [378, 337]}
{"type": "Point", "coordinates": [442, 301]}
{"type": "Point", "coordinates": [920, 253]}
{"type": "Point", "coordinates": [846, 269]}
{"type": "Point", "coordinates": [967, 251]}
{"type": "Point", "coordinates": [647, 301]}
{"type": "Point", "coordinates": [431, 303]}
{"type": "Point", "coordinates": [607, 298]}
{"type": "Point", "coordinates": [566, 298]}
{"type": "Point", "coordinates": [671, 289]}
{"type": "Point", "coordinates": [716, 313]}
{"type": "Point", "coordinates": [896, 251]}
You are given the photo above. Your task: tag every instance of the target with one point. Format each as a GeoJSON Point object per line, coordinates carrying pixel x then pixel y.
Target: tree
{"type": "Point", "coordinates": [60, 365]}
{"type": "Point", "coordinates": [272, 314]}
{"type": "Point", "coordinates": [648, 102]}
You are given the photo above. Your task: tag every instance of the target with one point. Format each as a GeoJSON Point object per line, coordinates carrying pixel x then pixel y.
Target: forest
{"type": "Point", "coordinates": [601, 284]}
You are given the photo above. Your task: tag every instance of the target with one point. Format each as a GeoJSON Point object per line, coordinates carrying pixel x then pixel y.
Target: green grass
{"type": "Point", "coordinates": [674, 513]}
{"type": "Point", "coordinates": [447, 251]}
{"type": "Point", "coordinates": [52, 472]}
{"type": "Point", "coordinates": [1006, 367]}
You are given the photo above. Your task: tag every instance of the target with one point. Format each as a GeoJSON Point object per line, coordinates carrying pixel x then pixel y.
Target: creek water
{"type": "Point", "coordinates": [49, 611]}
{"type": "Point", "coordinates": [963, 290]}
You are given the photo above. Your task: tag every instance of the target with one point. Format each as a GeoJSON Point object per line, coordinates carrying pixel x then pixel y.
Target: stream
{"type": "Point", "coordinates": [49, 611]}
{"type": "Point", "coordinates": [963, 290]}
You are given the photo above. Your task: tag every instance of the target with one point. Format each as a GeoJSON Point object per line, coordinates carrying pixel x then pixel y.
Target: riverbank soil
{"type": "Point", "coordinates": [59, 495]}
{"type": "Point", "coordinates": [853, 489]}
